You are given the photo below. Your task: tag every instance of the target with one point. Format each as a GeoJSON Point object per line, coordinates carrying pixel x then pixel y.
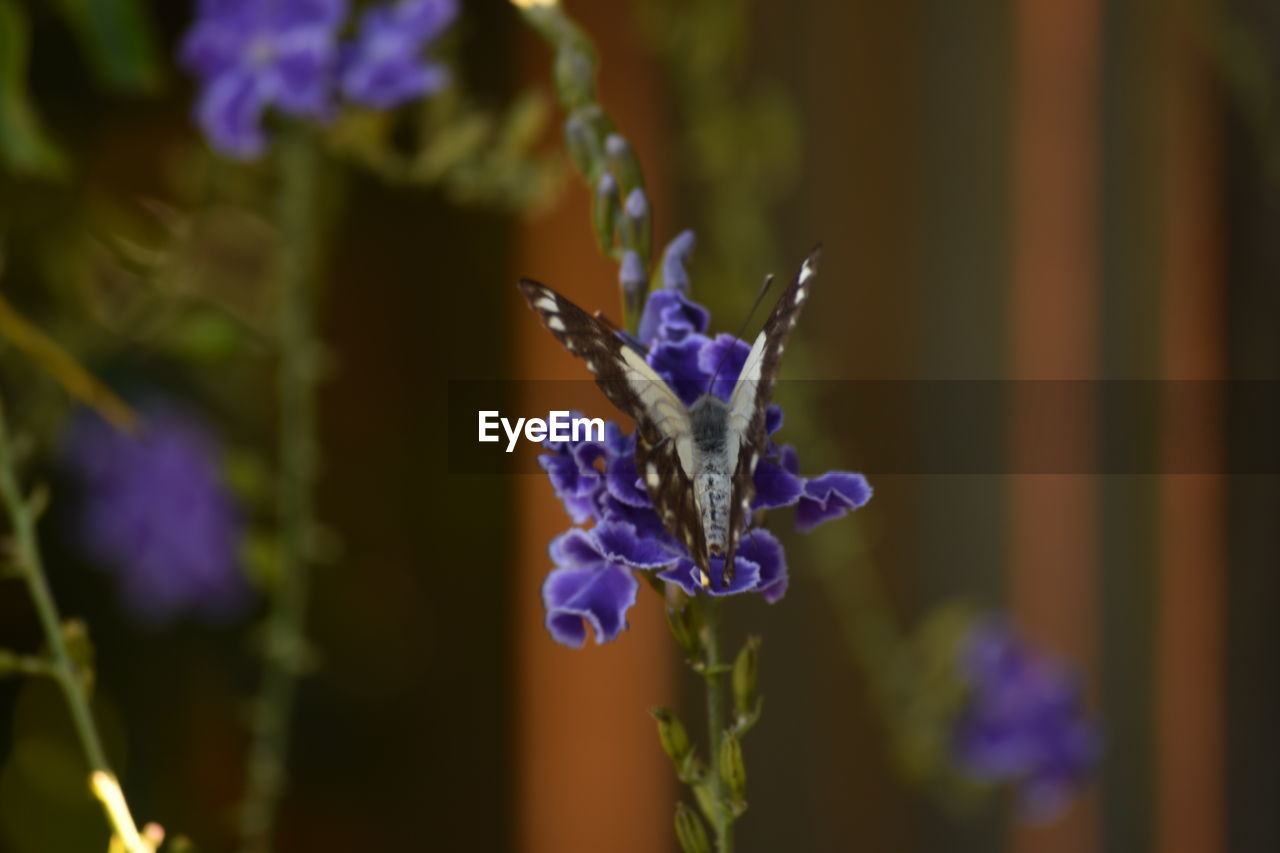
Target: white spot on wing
{"type": "Point", "coordinates": [546, 303]}
{"type": "Point", "coordinates": [651, 476]}
{"type": "Point", "coordinates": [806, 272]}
{"type": "Point", "coordinates": [555, 324]}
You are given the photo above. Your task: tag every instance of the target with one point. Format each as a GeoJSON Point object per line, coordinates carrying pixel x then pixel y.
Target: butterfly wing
{"type": "Point", "coordinates": [665, 452]}
{"type": "Point", "coordinates": [751, 396]}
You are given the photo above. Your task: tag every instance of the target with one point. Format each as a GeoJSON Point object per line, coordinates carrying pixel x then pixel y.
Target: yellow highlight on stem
{"type": "Point", "coordinates": [125, 838]}
{"type": "Point", "coordinates": [529, 4]}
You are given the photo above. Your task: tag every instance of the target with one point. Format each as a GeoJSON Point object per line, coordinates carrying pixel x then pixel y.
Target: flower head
{"type": "Point", "coordinates": [154, 510]}
{"type": "Point", "coordinates": [250, 55]}
{"type": "Point", "coordinates": [598, 484]}
{"type": "Point", "coordinates": [385, 67]}
{"type": "Point", "coordinates": [1024, 721]}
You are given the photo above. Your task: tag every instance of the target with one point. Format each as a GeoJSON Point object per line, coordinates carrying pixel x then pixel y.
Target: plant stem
{"type": "Point", "coordinates": [62, 667]}
{"type": "Point", "coordinates": [714, 675]}
{"type": "Point", "coordinates": [285, 639]}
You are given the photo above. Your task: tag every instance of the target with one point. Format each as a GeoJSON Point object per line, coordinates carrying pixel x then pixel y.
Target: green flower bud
{"type": "Point", "coordinates": [575, 77]}
{"type": "Point", "coordinates": [584, 146]}
{"type": "Point", "coordinates": [745, 669]}
{"type": "Point", "coordinates": [604, 211]}
{"type": "Point", "coordinates": [672, 734]}
{"type": "Point", "coordinates": [685, 634]}
{"type": "Point", "coordinates": [637, 233]}
{"type": "Point", "coordinates": [733, 771]}
{"type": "Point", "coordinates": [623, 162]}
{"type": "Point", "coordinates": [690, 831]}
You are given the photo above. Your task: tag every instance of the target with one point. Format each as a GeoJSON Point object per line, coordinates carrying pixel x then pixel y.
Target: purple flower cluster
{"type": "Point", "coordinates": [1024, 721]}
{"type": "Point", "coordinates": [250, 55]}
{"type": "Point", "coordinates": [154, 509]}
{"type": "Point", "coordinates": [592, 582]}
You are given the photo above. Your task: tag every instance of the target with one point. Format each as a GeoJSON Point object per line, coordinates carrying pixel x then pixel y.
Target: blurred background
{"type": "Point", "coordinates": [1070, 201]}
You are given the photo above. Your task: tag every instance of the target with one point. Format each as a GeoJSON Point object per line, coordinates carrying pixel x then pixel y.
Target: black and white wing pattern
{"type": "Point", "coordinates": [664, 438]}
{"type": "Point", "coordinates": [751, 396]}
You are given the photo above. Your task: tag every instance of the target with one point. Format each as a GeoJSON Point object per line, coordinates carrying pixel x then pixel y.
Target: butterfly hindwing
{"type": "Point", "coordinates": [671, 491]}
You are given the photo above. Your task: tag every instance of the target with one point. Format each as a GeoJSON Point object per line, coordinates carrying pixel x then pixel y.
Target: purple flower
{"type": "Point", "coordinates": [1024, 721]}
{"type": "Point", "coordinates": [253, 54]}
{"type": "Point", "coordinates": [154, 510]}
{"type": "Point", "coordinates": [593, 582]}
{"type": "Point", "coordinates": [385, 67]}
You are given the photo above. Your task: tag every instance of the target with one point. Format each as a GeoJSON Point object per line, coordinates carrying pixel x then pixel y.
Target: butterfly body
{"type": "Point", "coordinates": [712, 474]}
{"type": "Point", "coordinates": [696, 462]}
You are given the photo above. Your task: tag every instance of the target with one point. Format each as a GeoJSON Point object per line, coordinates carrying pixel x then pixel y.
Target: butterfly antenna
{"type": "Point", "coordinates": [764, 288]}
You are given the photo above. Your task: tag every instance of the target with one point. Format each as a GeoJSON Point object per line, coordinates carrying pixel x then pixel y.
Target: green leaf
{"type": "Point", "coordinates": [119, 41]}
{"type": "Point", "coordinates": [24, 148]}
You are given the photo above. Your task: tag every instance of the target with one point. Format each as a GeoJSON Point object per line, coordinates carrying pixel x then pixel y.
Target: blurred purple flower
{"type": "Point", "coordinates": [154, 510]}
{"type": "Point", "coordinates": [1024, 721]}
{"type": "Point", "coordinates": [385, 68]}
{"type": "Point", "coordinates": [253, 54]}
{"type": "Point", "coordinates": [598, 484]}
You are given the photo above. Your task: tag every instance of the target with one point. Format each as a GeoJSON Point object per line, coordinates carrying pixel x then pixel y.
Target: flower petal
{"type": "Point", "coordinates": [642, 518]}
{"type": "Point", "coordinates": [619, 543]}
{"type": "Point", "coordinates": [830, 496]}
{"type": "Point", "coordinates": [577, 490]}
{"type": "Point", "coordinates": [576, 549]}
{"type": "Point", "coordinates": [723, 358]}
{"type": "Point", "coordinates": [775, 486]}
{"type": "Point", "coordinates": [599, 597]}
{"type": "Point", "coordinates": [746, 576]}
{"type": "Point", "coordinates": [229, 111]}
{"type": "Point", "coordinates": [669, 315]}
{"type": "Point", "coordinates": [624, 483]}
{"type": "Point", "coordinates": [677, 363]}
{"type": "Point", "coordinates": [789, 459]}
{"type": "Point", "coordinates": [772, 419]}
{"type": "Point", "coordinates": [763, 549]}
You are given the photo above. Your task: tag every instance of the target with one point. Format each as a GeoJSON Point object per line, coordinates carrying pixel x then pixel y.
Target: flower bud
{"type": "Point", "coordinates": [674, 259]}
{"type": "Point", "coordinates": [690, 831]}
{"type": "Point", "coordinates": [686, 635]}
{"type": "Point", "coordinates": [672, 734]}
{"type": "Point", "coordinates": [604, 211]}
{"type": "Point", "coordinates": [575, 77]}
{"type": "Point", "coordinates": [733, 771]}
{"type": "Point", "coordinates": [622, 160]}
{"type": "Point", "coordinates": [638, 231]}
{"type": "Point", "coordinates": [634, 282]}
{"type": "Point", "coordinates": [583, 145]}
{"type": "Point", "coordinates": [745, 668]}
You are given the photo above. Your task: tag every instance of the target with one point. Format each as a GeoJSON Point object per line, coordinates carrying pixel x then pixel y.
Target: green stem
{"type": "Point", "coordinates": [61, 666]}
{"type": "Point", "coordinates": [285, 638]}
{"type": "Point", "coordinates": [714, 675]}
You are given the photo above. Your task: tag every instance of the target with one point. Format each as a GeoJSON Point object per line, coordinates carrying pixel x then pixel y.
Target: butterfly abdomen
{"type": "Point", "coordinates": [713, 474]}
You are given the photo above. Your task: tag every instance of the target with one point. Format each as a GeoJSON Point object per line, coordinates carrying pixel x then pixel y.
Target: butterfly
{"type": "Point", "coordinates": [697, 462]}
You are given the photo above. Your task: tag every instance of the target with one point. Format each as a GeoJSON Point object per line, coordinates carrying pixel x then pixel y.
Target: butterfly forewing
{"type": "Point", "coordinates": [663, 441]}
{"type": "Point", "coordinates": [752, 393]}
